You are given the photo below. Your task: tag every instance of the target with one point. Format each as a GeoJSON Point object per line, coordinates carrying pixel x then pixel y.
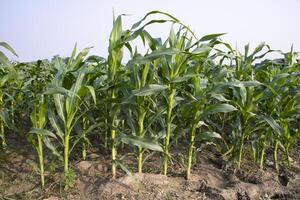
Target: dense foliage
{"type": "Point", "coordinates": [183, 91]}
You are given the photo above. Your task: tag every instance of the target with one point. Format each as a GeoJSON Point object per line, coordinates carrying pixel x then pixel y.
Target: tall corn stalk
{"type": "Point", "coordinates": [69, 91]}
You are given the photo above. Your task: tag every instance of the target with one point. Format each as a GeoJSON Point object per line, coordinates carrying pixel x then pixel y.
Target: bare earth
{"type": "Point", "coordinates": [212, 179]}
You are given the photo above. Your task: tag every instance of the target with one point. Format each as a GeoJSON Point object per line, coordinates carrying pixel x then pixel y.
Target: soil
{"type": "Point", "coordinates": [212, 178]}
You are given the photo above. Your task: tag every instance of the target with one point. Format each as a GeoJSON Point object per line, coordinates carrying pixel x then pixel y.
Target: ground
{"type": "Point", "coordinates": [212, 178]}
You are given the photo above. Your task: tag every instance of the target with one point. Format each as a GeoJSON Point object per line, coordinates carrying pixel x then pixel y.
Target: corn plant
{"type": "Point", "coordinates": [69, 92]}
{"type": "Point", "coordinates": [205, 99]}
{"type": "Point", "coordinates": [142, 91]}
{"type": "Point", "coordinates": [175, 70]}
{"type": "Point", "coordinates": [8, 74]}
{"type": "Point", "coordinates": [245, 94]}
{"type": "Point", "coordinates": [180, 90]}
{"type": "Point", "coordinates": [281, 104]}
{"type": "Point", "coordinates": [118, 40]}
{"type": "Point", "coordinates": [36, 76]}
{"type": "Point", "coordinates": [39, 119]}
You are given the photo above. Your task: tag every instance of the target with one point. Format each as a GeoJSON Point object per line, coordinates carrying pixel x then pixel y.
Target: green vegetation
{"type": "Point", "coordinates": [183, 92]}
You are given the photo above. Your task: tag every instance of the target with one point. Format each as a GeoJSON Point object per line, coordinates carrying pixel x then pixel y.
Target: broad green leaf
{"type": "Point", "coordinates": [151, 13]}
{"type": "Point", "coordinates": [240, 84]}
{"type": "Point", "coordinates": [141, 142]}
{"type": "Point", "coordinates": [54, 123]}
{"type": "Point", "coordinates": [42, 132]}
{"type": "Point", "coordinates": [273, 124]}
{"type": "Point", "coordinates": [209, 135]}
{"type": "Point", "coordinates": [183, 78]}
{"type": "Point", "coordinates": [59, 105]}
{"type": "Point", "coordinates": [53, 149]}
{"type": "Point", "coordinates": [219, 97]}
{"type": "Point", "coordinates": [4, 116]}
{"type": "Point", "coordinates": [3, 59]}
{"type": "Point", "coordinates": [149, 90]}
{"type": "Point", "coordinates": [201, 50]}
{"type": "Point", "coordinates": [92, 92]}
{"type": "Point", "coordinates": [57, 90]}
{"type": "Point", "coordinates": [211, 36]}
{"type": "Point", "coordinates": [218, 108]}
{"type": "Point", "coordinates": [154, 55]}
{"type": "Point", "coordinates": [8, 47]}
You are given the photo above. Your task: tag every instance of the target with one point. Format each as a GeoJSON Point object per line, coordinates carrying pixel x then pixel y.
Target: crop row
{"type": "Point", "coordinates": [182, 91]}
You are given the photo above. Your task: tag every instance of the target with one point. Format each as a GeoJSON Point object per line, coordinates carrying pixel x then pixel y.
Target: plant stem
{"type": "Point", "coordinates": [191, 150]}
{"type": "Point", "coordinates": [262, 155]}
{"type": "Point", "coordinates": [113, 141]}
{"type": "Point", "coordinates": [106, 135]}
{"type": "Point", "coordinates": [41, 159]}
{"type": "Point", "coordinates": [66, 151]}
{"type": "Point", "coordinates": [141, 117]}
{"type": "Point", "coordinates": [276, 155]}
{"type": "Point", "coordinates": [168, 131]}
{"type": "Point", "coordinates": [2, 134]}
{"type": "Point", "coordinates": [240, 151]}
{"type": "Point", "coordinates": [84, 126]}
{"type": "Point", "coordinates": [2, 127]}
{"type": "Point", "coordinates": [287, 156]}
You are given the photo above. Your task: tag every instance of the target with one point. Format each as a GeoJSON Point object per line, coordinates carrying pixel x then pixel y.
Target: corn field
{"type": "Point", "coordinates": [183, 92]}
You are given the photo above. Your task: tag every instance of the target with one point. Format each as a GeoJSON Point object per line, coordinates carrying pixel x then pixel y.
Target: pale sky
{"type": "Point", "coordinates": [39, 29]}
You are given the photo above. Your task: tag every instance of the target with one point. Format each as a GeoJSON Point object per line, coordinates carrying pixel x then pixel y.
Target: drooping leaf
{"type": "Point", "coordinates": [141, 142]}
{"type": "Point", "coordinates": [43, 132]}
{"type": "Point", "coordinates": [273, 124]}
{"type": "Point", "coordinates": [8, 47]}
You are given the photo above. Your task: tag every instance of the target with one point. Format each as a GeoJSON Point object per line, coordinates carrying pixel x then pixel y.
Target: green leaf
{"type": "Point", "coordinates": [218, 108]}
{"type": "Point", "coordinates": [57, 90]}
{"type": "Point", "coordinates": [116, 32]}
{"type": "Point", "coordinates": [4, 116]}
{"type": "Point", "coordinates": [3, 59]}
{"type": "Point", "coordinates": [141, 142]}
{"type": "Point", "coordinates": [154, 55]}
{"type": "Point", "coordinates": [55, 125]}
{"type": "Point", "coordinates": [137, 24]}
{"type": "Point", "coordinates": [162, 52]}
{"type": "Point", "coordinates": [201, 50]}
{"type": "Point", "coordinates": [51, 146]}
{"type": "Point", "coordinates": [273, 124]}
{"type": "Point", "coordinates": [211, 36]}
{"type": "Point", "coordinates": [8, 47]}
{"type": "Point", "coordinates": [43, 132]}
{"type": "Point", "coordinates": [127, 170]}
{"type": "Point", "coordinates": [209, 135]}
{"type": "Point", "coordinates": [240, 84]}
{"type": "Point", "coordinates": [149, 90]}
{"type": "Point", "coordinates": [92, 92]}
{"type": "Point", "coordinates": [59, 105]}
{"type": "Point", "coordinates": [219, 97]}
{"type": "Point", "coordinates": [183, 78]}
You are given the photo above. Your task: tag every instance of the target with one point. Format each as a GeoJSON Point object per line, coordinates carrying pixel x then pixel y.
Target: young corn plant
{"type": "Point", "coordinates": [69, 91]}
{"type": "Point", "coordinates": [205, 99]}
{"type": "Point", "coordinates": [8, 74]}
{"type": "Point", "coordinates": [244, 93]}
{"type": "Point", "coordinates": [118, 40]}
{"type": "Point", "coordinates": [38, 132]}
{"type": "Point", "coordinates": [175, 69]}
{"type": "Point", "coordinates": [142, 91]}
{"type": "Point", "coordinates": [114, 60]}
{"type": "Point", "coordinates": [172, 71]}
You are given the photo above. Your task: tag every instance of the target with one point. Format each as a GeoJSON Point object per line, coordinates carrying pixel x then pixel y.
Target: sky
{"type": "Point", "coordinates": [42, 29]}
